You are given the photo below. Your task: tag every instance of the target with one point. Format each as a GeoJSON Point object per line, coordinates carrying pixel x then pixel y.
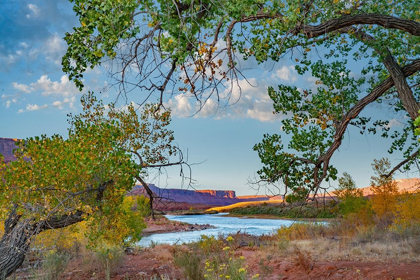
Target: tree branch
{"type": "Point", "coordinates": [412, 156]}
{"type": "Point", "coordinates": [403, 88]}
{"type": "Point", "coordinates": [56, 222]}
{"type": "Point", "coordinates": [388, 22]}
{"type": "Point", "coordinates": [407, 70]}
{"type": "Point", "coordinates": [149, 192]}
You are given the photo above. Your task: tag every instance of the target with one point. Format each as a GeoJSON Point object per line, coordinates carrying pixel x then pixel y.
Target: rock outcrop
{"type": "Point", "coordinates": [207, 197]}
{"type": "Point", "coordinates": [223, 194]}
{"type": "Point", "coordinates": [7, 145]}
{"type": "Point", "coordinates": [223, 198]}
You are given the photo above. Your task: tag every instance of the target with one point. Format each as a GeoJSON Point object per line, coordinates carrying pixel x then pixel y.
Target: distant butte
{"type": "Point", "coordinates": [7, 145]}
{"type": "Point", "coordinates": [208, 197]}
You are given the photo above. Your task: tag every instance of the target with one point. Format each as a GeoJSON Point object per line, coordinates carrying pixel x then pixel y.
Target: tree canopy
{"type": "Point", "coordinates": [56, 182]}
{"type": "Point", "coordinates": [358, 52]}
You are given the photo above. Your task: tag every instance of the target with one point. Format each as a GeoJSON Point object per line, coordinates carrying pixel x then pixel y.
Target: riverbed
{"type": "Point", "coordinates": [223, 226]}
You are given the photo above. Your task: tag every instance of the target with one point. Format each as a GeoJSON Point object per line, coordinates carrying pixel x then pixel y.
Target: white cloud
{"type": "Point", "coordinates": [67, 101]}
{"type": "Point", "coordinates": [33, 54]}
{"type": "Point", "coordinates": [287, 74]}
{"type": "Point", "coordinates": [63, 87]}
{"type": "Point", "coordinates": [21, 87]}
{"type": "Point", "coordinates": [58, 104]}
{"type": "Point", "coordinates": [254, 102]}
{"type": "Point", "coordinates": [210, 109]}
{"type": "Point", "coordinates": [54, 49]}
{"type": "Point", "coordinates": [36, 11]}
{"type": "Point", "coordinates": [180, 105]}
{"type": "Point", "coordinates": [394, 123]}
{"type": "Point", "coordinates": [23, 45]}
{"type": "Point", "coordinates": [8, 60]}
{"type": "Point", "coordinates": [33, 107]}
{"type": "Point", "coordinates": [70, 101]}
{"type": "Point", "coordinates": [9, 100]}
{"type": "Point", "coordinates": [248, 100]}
{"type": "Point", "coordinates": [62, 92]}
{"type": "Point", "coordinates": [261, 115]}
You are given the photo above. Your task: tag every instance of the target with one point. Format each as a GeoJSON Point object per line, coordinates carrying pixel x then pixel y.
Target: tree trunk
{"type": "Point", "coordinates": [15, 243]}
{"type": "Point", "coordinates": [14, 246]}
{"type": "Point", "coordinates": [150, 193]}
{"type": "Point", "coordinates": [16, 240]}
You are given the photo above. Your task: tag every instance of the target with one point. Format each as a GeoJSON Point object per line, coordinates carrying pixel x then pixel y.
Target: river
{"type": "Point", "coordinates": [224, 226]}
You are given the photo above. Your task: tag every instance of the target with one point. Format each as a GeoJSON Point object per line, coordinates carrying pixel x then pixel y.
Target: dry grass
{"type": "Point", "coordinates": [161, 252]}
{"type": "Point", "coordinates": [338, 250]}
{"type": "Point", "coordinates": [302, 258]}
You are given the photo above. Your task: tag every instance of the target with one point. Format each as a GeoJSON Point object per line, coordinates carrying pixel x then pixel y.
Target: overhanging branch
{"type": "Point", "coordinates": [402, 163]}
{"type": "Point", "coordinates": [386, 21]}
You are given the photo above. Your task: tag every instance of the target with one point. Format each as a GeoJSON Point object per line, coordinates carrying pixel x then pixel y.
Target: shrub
{"type": "Point", "coordinates": [225, 265]}
{"type": "Point", "coordinates": [108, 257]}
{"type": "Point", "coordinates": [190, 262]}
{"type": "Point", "coordinates": [302, 259]}
{"type": "Point", "coordinates": [384, 188]}
{"type": "Point", "coordinates": [351, 198]}
{"type": "Point", "coordinates": [211, 258]}
{"type": "Point", "coordinates": [407, 210]}
{"type": "Point", "coordinates": [298, 195]}
{"type": "Point", "coordinates": [54, 265]}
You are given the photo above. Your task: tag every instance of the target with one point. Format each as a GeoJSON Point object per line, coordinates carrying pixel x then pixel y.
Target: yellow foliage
{"type": "Point", "coordinates": [63, 238]}
{"type": "Point", "coordinates": [297, 231]}
{"type": "Point", "coordinates": [385, 198]}
{"type": "Point", "coordinates": [385, 189]}
{"type": "Point", "coordinates": [407, 210]}
{"type": "Point", "coordinates": [86, 175]}
{"type": "Point", "coordinates": [59, 239]}
{"type": "Point", "coordinates": [122, 227]}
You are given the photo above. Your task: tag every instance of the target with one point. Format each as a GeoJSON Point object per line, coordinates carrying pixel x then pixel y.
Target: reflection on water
{"type": "Point", "coordinates": [224, 226]}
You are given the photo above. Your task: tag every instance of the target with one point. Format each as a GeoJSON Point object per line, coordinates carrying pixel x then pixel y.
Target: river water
{"type": "Point", "coordinates": [224, 226]}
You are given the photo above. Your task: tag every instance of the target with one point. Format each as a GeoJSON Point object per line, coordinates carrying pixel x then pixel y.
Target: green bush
{"type": "Point", "coordinates": [54, 264]}
{"type": "Point", "coordinates": [190, 262]}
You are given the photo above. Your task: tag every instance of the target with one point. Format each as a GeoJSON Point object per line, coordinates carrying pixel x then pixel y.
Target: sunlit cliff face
{"type": "Point", "coordinates": [404, 185]}
{"type": "Point", "coordinates": [225, 194]}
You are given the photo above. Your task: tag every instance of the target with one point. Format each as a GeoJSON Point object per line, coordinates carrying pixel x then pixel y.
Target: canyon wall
{"type": "Point", "coordinates": [208, 197]}
{"type": "Point", "coordinates": [7, 145]}
{"type": "Point", "coordinates": [223, 198]}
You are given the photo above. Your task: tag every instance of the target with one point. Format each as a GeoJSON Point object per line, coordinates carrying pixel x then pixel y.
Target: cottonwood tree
{"type": "Point", "coordinates": [56, 182]}
{"type": "Point", "coordinates": [358, 52]}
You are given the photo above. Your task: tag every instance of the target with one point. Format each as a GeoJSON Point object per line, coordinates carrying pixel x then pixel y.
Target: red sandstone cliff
{"type": "Point", "coordinates": [208, 197]}
{"type": "Point", "coordinates": [222, 194]}
{"type": "Point", "coordinates": [7, 145]}
{"type": "Point", "coordinates": [223, 198]}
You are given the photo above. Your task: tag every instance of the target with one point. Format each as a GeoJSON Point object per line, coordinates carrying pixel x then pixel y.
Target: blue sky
{"type": "Point", "coordinates": [36, 96]}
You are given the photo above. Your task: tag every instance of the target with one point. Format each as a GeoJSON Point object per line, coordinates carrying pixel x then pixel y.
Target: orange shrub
{"type": "Point", "coordinates": [384, 200]}
{"type": "Point", "coordinates": [384, 188]}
